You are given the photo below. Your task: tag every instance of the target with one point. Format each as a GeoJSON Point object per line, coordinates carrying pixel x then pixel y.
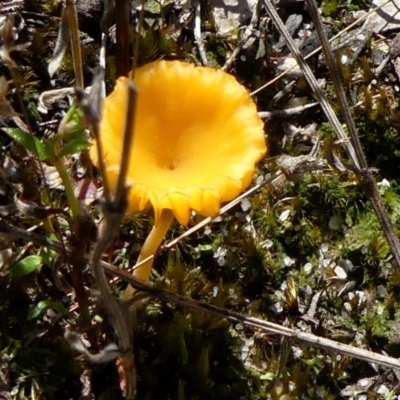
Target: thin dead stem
{"type": "Point", "coordinates": [197, 33]}
{"type": "Point", "coordinates": [113, 214]}
{"type": "Point", "coordinates": [122, 8]}
{"type": "Point", "coordinates": [75, 42]}
{"type": "Point", "coordinates": [137, 39]}
{"type": "Point", "coordinates": [120, 191]}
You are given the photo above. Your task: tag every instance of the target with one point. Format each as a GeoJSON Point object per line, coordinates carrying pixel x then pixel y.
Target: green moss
{"type": "Point", "coordinates": [330, 8]}
{"type": "Point", "coordinates": [218, 49]}
{"type": "Point", "coordinates": [188, 354]}
{"type": "Point", "coordinates": [356, 5]}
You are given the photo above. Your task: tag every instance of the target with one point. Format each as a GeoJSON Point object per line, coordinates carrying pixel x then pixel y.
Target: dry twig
{"type": "Point", "coordinates": [289, 112]}
{"type": "Point", "coordinates": [113, 213]}
{"type": "Point", "coordinates": [122, 12]}
{"type": "Point", "coordinates": [197, 34]}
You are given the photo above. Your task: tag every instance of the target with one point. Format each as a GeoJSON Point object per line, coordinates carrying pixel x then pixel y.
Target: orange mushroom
{"type": "Point", "coordinates": [196, 143]}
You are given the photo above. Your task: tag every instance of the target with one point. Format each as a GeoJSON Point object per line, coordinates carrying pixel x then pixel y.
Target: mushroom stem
{"type": "Point", "coordinates": [149, 248]}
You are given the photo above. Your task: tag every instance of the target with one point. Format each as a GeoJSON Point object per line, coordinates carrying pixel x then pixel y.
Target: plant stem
{"type": "Point", "coordinates": [78, 243]}
{"type": "Point", "coordinates": [137, 40]}
{"type": "Point", "coordinates": [149, 248]}
{"type": "Point", "coordinates": [75, 43]}
{"type": "Point", "coordinates": [69, 190]}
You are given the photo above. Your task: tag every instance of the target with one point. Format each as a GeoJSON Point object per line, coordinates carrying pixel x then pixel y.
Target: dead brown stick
{"type": "Point", "coordinates": [270, 327]}
{"type": "Point", "coordinates": [113, 213]}
{"type": "Point", "coordinates": [122, 11]}
{"type": "Point", "coordinates": [75, 42]}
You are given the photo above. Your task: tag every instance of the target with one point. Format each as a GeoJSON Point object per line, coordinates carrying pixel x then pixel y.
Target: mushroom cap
{"type": "Point", "coordinates": [197, 139]}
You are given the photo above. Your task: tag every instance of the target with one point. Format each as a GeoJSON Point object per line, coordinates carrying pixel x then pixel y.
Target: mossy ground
{"type": "Point", "coordinates": [308, 254]}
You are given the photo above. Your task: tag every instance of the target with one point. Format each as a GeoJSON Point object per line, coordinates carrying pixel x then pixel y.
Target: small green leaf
{"type": "Point", "coordinates": [204, 247]}
{"type": "Point", "coordinates": [47, 150]}
{"type": "Point", "coordinates": [47, 255]}
{"type": "Point", "coordinates": [31, 143]}
{"type": "Point", "coordinates": [74, 146]}
{"type": "Point", "coordinates": [43, 150]}
{"type": "Point", "coordinates": [52, 236]}
{"type": "Point", "coordinates": [43, 306]}
{"type": "Point", "coordinates": [78, 132]}
{"type": "Point", "coordinates": [72, 125]}
{"type": "Point", "coordinates": [269, 376]}
{"type": "Point", "coordinates": [26, 266]}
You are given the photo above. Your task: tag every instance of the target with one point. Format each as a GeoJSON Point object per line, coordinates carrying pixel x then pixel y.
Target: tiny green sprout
{"type": "Point", "coordinates": [73, 124]}
{"type": "Point", "coordinates": [70, 139]}
{"type": "Point", "coordinates": [26, 266]}
{"type": "Point", "coordinates": [43, 150]}
{"type": "Point", "coordinates": [71, 131]}
{"type": "Point", "coordinates": [43, 306]}
{"type": "Point", "coordinates": [390, 395]}
{"type": "Point", "coordinates": [330, 8]}
{"type": "Point", "coordinates": [47, 254]}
